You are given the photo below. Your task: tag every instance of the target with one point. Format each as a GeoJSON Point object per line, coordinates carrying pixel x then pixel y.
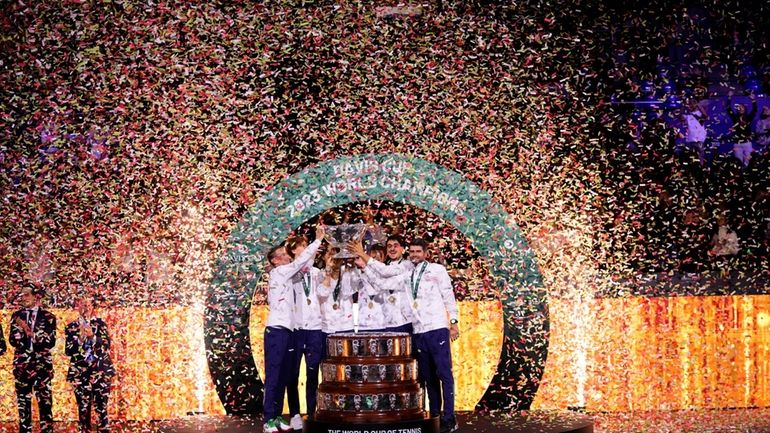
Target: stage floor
{"type": "Point", "coordinates": [711, 421]}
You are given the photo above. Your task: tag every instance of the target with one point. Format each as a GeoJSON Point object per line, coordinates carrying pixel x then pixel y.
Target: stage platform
{"type": "Point", "coordinates": [530, 422]}
{"type": "Point", "coordinates": [706, 421]}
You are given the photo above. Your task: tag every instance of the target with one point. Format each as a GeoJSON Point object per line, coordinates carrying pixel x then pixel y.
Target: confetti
{"type": "Point", "coordinates": [134, 138]}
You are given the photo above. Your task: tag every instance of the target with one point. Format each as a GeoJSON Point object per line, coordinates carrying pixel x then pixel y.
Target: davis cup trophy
{"type": "Point", "coordinates": [369, 385]}
{"type": "Point", "coordinates": [339, 236]}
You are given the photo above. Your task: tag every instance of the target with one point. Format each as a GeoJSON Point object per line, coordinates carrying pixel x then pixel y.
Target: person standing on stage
{"type": "Point", "coordinates": [396, 311]}
{"type": "Point", "coordinates": [398, 315]}
{"type": "Point", "coordinates": [309, 338]}
{"type": "Point", "coordinates": [429, 290]}
{"type": "Point", "coordinates": [33, 335]}
{"type": "Point", "coordinates": [280, 351]}
{"type": "Point", "coordinates": [335, 293]}
{"type": "Point", "coordinates": [91, 370]}
{"type": "Point", "coordinates": [371, 300]}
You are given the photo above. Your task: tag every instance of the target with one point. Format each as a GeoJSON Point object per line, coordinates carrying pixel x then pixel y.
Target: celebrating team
{"type": "Point", "coordinates": [391, 294]}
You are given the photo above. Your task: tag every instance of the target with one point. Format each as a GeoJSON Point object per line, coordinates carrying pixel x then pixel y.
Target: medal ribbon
{"type": "Point", "coordinates": [416, 287]}
{"type": "Point", "coordinates": [336, 293]}
{"type": "Point", "coordinates": [306, 284]}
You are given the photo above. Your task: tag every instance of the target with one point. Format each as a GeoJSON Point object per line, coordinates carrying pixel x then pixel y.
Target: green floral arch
{"type": "Point", "coordinates": [393, 177]}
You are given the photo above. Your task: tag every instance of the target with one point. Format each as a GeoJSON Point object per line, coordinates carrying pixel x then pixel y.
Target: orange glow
{"type": "Point", "coordinates": [156, 367]}
{"type": "Point", "coordinates": [664, 354]}
{"type": "Point", "coordinates": [640, 354]}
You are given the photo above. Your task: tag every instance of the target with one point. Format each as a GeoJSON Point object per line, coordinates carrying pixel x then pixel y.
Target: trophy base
{"type": "Point", "coordinates": [422, 425]}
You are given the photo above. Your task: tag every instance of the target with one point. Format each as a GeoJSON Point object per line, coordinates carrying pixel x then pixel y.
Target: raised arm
{"type": "Point", "coordinates": [388, 271]}
{"type": "Point", "coordinates": [288, 271]}
{"type": "Point", "coordinates": [383, 270]}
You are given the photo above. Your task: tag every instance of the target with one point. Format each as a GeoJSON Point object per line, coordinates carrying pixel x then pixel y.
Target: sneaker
{"type": "Point", "coordinates": [448, 426]}
{"type": "Point", "coordinates": [296, 422]}
{"type": "Point", "coordinates": [270, 427]}
{"type": "Point", "coordinates": [282, 424]}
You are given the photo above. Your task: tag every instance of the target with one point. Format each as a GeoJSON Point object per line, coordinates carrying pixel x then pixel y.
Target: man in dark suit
{"type": "Point", "coordinates": [33, 335]}
{"type": "Point", "coordinates": [91, 369]}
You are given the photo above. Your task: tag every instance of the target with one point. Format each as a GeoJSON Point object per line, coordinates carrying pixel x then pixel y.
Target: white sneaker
{"type": "Point", "coordinates": [270, 427]}
{"type": "Point", "coordinates": [281, 424]}
{"type": "Point", "coordinates": [296, 422]}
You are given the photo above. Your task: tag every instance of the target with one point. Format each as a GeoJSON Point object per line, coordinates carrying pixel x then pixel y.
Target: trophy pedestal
{"type": "Point", "coordinates": [369, 384]}
{"type": "Point", "coordinates": [424, 425]}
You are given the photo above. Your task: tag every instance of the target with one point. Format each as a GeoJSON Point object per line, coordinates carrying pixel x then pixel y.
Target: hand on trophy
{"type": "Point", "coordinates": [356, 247]}
{"type": "Point", "coordinates": [320, 231]}
{"type": "Point", "coordinates": [341, 235]}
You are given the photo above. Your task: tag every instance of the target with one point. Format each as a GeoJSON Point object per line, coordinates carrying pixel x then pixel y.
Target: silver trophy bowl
{"type": "Point", "coordinates": [339, 236]}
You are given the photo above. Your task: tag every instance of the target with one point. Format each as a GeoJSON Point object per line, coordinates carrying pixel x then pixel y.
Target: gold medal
{"type": "Point", "coordinates": [308, 301]}
{"type": "Point", "coordinates": [415, 305]}
{"type": "Point", "coordinates": [392, 299]}
{"type": "Point", "coordinates": [335, 306]}
{"type": "Point", "coordinates": [371, 305]}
